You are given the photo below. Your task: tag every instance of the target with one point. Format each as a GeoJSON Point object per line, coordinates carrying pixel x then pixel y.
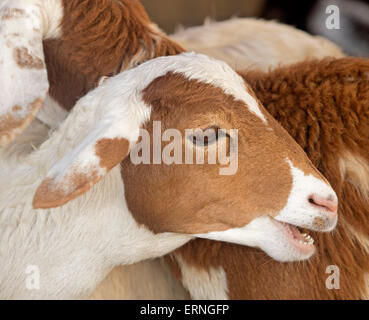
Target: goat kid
{"type": "Point", "coordinates": [142, 211]}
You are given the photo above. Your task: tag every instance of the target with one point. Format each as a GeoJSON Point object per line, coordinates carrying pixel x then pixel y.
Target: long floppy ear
{"type": "Point", "coordinates": [23, 76]}
{"type": "Point", "coordinates": [104, 148]}
{"type": "Point", "coordinates": [100, 130]}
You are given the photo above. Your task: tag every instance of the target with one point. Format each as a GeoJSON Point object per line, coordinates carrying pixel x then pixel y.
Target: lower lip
{"type": "Point", "coordinates": [295, 237]}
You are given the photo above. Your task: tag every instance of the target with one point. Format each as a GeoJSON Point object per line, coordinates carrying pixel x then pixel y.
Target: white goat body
{"type": "Point", "coordinates": [249, 43]}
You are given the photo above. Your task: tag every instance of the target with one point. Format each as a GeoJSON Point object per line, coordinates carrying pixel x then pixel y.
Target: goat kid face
{"type": "Point", "coordinates": [275, 188]}
{"type": "Point", "coordinates": [275, 179]}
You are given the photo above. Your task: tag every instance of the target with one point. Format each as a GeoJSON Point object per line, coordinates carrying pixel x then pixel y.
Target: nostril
{"type": "Point", "coordinates": [329, 203]}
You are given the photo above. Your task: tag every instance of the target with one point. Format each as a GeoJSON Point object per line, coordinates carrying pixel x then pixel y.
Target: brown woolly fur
{"type": "Point", "coordinates": [324, 105]}
{"type": "Point", "coordinates": [100, 38]}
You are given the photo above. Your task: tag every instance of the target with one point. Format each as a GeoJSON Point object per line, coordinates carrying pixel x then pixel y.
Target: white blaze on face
{"type": "Point", "coordinates": [221, 75]}
{"type": "Point", "coordinates": [299, 210]}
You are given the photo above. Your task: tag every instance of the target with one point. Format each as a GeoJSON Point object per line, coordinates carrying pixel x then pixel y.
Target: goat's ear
{"type": "Point", "coordinates": [23, 76]}
{"type": "Point", "coordinates": [83, 167]}
{"type": "Point", "coordinates": [103, 149]}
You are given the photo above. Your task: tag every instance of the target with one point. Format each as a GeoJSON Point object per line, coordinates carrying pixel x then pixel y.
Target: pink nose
{"type": "Point", "coordinates": [329, 204]}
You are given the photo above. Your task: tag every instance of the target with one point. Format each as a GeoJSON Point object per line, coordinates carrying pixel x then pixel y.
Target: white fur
{"type": "Point", "coordinates": [76, 245]}
{"type": "Point", "coordinates": [298, 210]}
{"type": "Point", "coordinates": [246, 43]}
{"type": "Point", "coordinates": [52, 114]}
{"type": "Point", "coordinates": [120, 116]}
{"type": "Point", "coordinates": [263, 233]}
{"type": "Point", "coordinates": [220, 75]}
{"type": "Point", "coordinates": [210, 284]}
{"type": "Point", "coordinates": [49, 18]}
{"type": "Point", "coordinates": [30, 22]}
{"type": "Point", "coordinates": [32, 81]}
{"type": "Point", "coordinates": [52, 15]}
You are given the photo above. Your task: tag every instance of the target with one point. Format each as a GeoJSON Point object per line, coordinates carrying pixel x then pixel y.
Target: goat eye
{"type": "Point", "coordinates": [207, 137]}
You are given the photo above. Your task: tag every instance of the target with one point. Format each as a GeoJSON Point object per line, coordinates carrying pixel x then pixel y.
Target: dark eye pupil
{"type": "Point", "coordinates": [210, 136]}
{"type": "Point", "coordinates": [206, 139]}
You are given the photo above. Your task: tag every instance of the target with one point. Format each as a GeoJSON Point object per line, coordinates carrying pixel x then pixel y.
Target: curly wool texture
{"type": "Point", "coordinates": [324, 105]}
{"type": "Point", "coordinates": [100, 38]}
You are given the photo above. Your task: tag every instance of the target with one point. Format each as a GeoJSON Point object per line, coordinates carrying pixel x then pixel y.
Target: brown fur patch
{"type": "Point", "coordinates": [111, 151]}
{"type": "Point", "coordinates": [16, 108]}
{"type": "Point", "coordinates": [319, 223]}
{"type": "Point", "coordinates": [25, 60]}
{"type": "Point", "coordinates": [99, 38]}
{"type": "Point", "coordinates": [174, 266]}
{"type": "Point", "coordinates": [10, 124]}
{"type": "Point", "coordinates": [50, 194]}
{"type": "Point", "coordinates": [7, 123]}
{"type": "Point", "coordinates": [328, 116]}
{"type": "Point", "coordinates": [12, 13]}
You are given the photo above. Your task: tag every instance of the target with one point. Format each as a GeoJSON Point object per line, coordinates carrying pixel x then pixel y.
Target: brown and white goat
{"type": "Point", "coordinates": [140, 211]}
{"type": "Point", "coordinates": [324, 106]}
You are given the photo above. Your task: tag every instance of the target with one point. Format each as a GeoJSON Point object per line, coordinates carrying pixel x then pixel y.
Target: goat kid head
{"type": "Point", "coordinates": [275, 188]}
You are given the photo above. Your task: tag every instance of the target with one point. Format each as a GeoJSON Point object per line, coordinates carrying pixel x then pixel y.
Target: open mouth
{"type": "Point", "coordinates": [303, 242]}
